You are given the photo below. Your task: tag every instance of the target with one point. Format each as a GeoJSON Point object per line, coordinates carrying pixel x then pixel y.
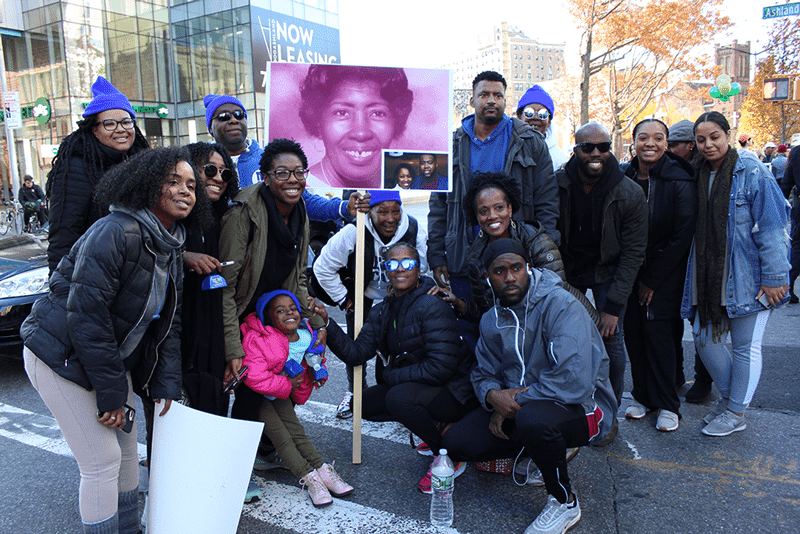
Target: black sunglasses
{"type": "Point", "coordinates": [211, 171]}
{"type": "Point", "coordinates": [588, 148]}
{"type": "Point", "coordinates": [226, 116]}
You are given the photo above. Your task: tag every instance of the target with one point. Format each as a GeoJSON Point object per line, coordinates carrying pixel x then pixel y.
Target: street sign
{"type": "Point", "coordinates": [785, 10]}
{"type": "Point", "coordinates": [12, 110]}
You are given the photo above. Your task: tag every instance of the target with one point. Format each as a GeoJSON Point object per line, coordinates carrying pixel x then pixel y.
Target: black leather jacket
{"type": "Point", "coordinates": [97, 295]}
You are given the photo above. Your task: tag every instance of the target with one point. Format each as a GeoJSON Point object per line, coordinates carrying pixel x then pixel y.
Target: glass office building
{"type": "Point", "coordinates": [164, 55]}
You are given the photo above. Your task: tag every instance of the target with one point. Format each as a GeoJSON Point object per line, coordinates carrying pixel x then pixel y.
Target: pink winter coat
{"type": "Point", "coordinates": [265, 353]}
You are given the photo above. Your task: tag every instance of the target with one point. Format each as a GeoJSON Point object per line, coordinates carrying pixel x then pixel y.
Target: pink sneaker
{"type": "Point", "coordinates": [316, 489]}
{"type": "Point", "coordinates": [424, 485]}
{"type": "Point", "coordinates": [336, 486]}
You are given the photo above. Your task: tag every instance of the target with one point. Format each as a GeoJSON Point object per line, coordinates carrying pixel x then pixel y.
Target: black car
{"type": "Point", "coordinates": [23, 280]}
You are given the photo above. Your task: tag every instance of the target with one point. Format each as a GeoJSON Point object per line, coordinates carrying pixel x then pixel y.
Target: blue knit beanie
{"type": "Point", "coordinates": [376, 197]}
{"type": "Point", "coordinates": [106, 97]}
{"type": "Point", "coordinates": [264, 299]}
{"type": "Point", "coordinates": [212, 102]}
{"type": "Point", "coordinates": [537, 95]}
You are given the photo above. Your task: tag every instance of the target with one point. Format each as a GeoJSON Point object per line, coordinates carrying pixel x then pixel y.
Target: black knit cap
{"type": "Point", "coordinates": [504, 246]}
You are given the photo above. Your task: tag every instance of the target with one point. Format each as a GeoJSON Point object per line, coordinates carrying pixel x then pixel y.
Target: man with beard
{"type": "Point", "coordinates": [226, 119]}
{"type": "Point", "coordinates": [430, 178]}
{"type": "Point", "coordinates": [603, 228]}
{"type": "Point", "coordinates": [541, 377]}
{"type": "Point", "coordinates": [489, 141]}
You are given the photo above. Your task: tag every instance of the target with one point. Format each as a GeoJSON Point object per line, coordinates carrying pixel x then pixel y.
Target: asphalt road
{"type": "Point", "coordinates": [644, 482]}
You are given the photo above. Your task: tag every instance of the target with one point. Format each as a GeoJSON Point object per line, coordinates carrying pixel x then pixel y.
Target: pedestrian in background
{"type": "Point", "coordinates": [738, 269]}
{"type": "Point", "coordinates": [106, 136]}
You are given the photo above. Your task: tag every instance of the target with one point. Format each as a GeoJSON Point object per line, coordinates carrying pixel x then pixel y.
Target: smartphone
{"type": "Point", "coordinates": [130, 416]}
{"type": "Point", "coordinates": [236, 380]}
{"type": "Point", "coordinates": [764, 301]}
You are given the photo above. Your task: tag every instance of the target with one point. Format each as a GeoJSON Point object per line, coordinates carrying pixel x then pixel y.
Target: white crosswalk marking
{"type": "Point", "coordinates": [282, 508]}
{"type": "Point", "coordinates": [285, 506]}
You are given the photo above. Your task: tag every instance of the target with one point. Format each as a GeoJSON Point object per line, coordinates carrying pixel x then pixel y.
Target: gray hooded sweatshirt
{"type": "Point", "coordinates": [549, 344]}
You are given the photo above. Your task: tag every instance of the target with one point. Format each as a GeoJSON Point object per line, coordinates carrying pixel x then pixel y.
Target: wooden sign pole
{"type": "Point", "coordinates": [358, 372]}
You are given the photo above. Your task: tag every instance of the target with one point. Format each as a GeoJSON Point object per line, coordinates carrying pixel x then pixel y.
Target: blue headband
{"type": "Point", "coordinates": [264, 299]}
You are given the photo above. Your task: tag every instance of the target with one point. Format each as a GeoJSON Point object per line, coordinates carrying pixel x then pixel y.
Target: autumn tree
{"type": "Point", "coordinates": [771, 121]}
{"type": "Point", "coordinates": [642, 47]}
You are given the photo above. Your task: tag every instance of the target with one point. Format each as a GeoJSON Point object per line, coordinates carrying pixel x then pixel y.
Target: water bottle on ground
{"type": "Point", "coordinates": [442, 483]}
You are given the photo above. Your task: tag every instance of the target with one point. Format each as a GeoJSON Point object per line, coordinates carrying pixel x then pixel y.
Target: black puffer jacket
{"type": "Point", "coordinates": [97, 295]}
{"type": "Point", "coordinates": [429, 349]}
{"type": "Point", "coordinates": [672, 205]}
{"type": "Point", "coordinates": [72, 206]}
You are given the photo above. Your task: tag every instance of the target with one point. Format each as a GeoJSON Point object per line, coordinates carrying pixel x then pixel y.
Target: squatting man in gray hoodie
{"type": "Point", "coordinates": [541, 377]}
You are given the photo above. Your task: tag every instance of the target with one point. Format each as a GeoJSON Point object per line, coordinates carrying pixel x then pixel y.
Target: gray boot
{"type": "Point", "coordinates": [128, 511]}
{"type": "Point", "coordinates": [106, 526]}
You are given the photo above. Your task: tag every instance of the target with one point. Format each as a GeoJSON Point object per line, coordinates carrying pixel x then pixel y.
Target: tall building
{"type": "Point", "coordinates": [521, 60]}
{"type": "Point", "coordinates": [165, 55]}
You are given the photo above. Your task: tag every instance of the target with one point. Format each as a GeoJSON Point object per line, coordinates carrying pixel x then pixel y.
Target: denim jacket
{"type": "Point", "coordinates": [758, 240]}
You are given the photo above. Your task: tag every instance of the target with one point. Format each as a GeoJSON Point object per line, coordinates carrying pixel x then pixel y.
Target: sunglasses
{"type": "Point", "coordinates": [588, 148]}
{"type": "Point", "coordinates": [211, 171]}
{"type": "Point", "coordinates": [542, 114]}
{"type": "Point", "coordinates": [408, 264]}
{"type": "Point", "coordinates": [226, 116]}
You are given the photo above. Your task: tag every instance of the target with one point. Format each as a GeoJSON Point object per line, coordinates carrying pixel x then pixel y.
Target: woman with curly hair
{"type": "Point", "coordinates": [356, 112]}
{"type": "Point", "coordinates": [110, 324]}
{"type": "Point", "coordinates": [202, 335]}
{"type": "Point", "coordinates": [105, 137]}
{"type": "Point", "coordinates": [490, 203]}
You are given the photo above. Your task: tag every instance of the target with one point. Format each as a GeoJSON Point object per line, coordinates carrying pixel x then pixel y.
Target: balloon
{"type": "Point", "coordinates": [735, 89]}
{"type": "Point", "coordinates": [723, 79]}
{"type": "Point", "coordinates": [714, 92]}
{"type": "Point", "coordinates": [725, 88]}
{"type": "Point", "coordinates": [724, 98]}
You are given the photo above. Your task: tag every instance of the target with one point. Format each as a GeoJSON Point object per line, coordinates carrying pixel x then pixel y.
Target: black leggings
{"type": "Point", "coordinates": [418, 407]}
{"type": "Point", "coordinates": [545, 428]}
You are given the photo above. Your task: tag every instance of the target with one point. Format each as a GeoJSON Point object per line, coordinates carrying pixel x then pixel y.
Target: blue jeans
{"type": "Point", "coordinates": [615, 345]}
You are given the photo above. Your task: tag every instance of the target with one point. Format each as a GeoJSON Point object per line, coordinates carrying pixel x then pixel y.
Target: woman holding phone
{"type": "Point", "coordinates": [111, 323]}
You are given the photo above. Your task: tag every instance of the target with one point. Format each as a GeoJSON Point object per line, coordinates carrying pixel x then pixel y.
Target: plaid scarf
{"type": "Point", "coordinates": [711, 238]}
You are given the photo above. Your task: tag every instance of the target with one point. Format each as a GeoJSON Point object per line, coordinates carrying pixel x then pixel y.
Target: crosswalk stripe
{"type": "Point", "coordinates": [40, 431]}
{"type": "Point", "coordinates": [320, 413]}
{"type": "Point", "coordinates": [282, 507]}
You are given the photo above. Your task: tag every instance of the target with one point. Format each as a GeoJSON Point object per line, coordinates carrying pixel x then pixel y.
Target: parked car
{"type": "Point", "coordinates": [23, 280]}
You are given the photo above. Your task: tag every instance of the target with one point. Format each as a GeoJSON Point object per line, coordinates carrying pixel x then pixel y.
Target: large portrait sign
{"type": "Point", "coordinates": [281, 38]}
{"type": "Point", "coordinates": [356, 124]}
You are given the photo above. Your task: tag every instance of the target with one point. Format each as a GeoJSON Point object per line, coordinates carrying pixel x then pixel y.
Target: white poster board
{"type": "Point", "coordinates": [201, 465]}
{"type": "Point", "coordinates": [12, 110]}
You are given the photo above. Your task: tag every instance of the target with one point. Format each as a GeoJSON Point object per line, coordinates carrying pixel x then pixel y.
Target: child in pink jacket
{"type": "Point", "coordinates": [273, 334]}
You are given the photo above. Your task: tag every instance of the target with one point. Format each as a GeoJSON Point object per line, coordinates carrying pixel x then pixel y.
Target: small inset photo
{"type": "Point", "coordinates": [427, 171]}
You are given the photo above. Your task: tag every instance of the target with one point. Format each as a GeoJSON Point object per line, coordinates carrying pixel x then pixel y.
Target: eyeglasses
{"type": "Point", "coordinates": [226, 115]}
{"type": "Point", "coordinates": [110, 124]}
{"type": "Point", "coordinates": [588, 148]}
{"type": "Point", "coordinates": [542, 114]}
{"type": "Point", "coordinates": [283, 174]}
{"type": "Point", "coordinates": [408, 264]}
{"type": "Point", "coordinates": [211, 171]}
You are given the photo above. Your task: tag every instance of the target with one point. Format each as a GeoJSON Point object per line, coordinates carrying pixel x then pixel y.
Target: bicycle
{"type": "Point", "coordinates": [10, 218]}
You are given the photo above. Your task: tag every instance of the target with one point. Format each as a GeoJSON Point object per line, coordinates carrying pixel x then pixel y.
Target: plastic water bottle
{"type": "Point", "coordinates": [314, 362]}
{"type": "Point", "coordinates": [442, 483]}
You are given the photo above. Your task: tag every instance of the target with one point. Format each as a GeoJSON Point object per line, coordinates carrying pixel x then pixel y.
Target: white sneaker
{"type": "Point", "coordinates": [667, 421]}
{"type": "Point", "coordinates": [556, 518]}
{"type": "Point", "coordinates": [635, 411]}
{"type": "Point", "coordinates": [345, 409]}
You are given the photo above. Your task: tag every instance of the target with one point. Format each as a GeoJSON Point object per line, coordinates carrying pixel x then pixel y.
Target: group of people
{"type": "Point", "coordinates": [428, 178]}
{"type": "Point", "coordinates": [485, 341]}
